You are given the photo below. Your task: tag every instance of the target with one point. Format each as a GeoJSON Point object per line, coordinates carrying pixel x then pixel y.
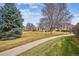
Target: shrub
{"type": "Point", "coordinates": [76, 30]}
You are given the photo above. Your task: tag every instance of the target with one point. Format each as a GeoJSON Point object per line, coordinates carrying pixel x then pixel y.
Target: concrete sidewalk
{"type": "Point", "coordinates": [17, 50]}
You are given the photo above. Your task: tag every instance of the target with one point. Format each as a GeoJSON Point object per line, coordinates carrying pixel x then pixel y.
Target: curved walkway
{"type": "Point", "coordinates": [25, 47]}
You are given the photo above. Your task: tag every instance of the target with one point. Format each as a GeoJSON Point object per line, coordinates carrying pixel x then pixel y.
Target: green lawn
{"type": "Point", "coordinates": [65, 46]}
{"type": "Point", "coordinates": [26, 38]}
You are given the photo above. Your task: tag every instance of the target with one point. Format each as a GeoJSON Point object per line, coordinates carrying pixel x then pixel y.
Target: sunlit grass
{"type": "Point", "coordinates": [65, 46]}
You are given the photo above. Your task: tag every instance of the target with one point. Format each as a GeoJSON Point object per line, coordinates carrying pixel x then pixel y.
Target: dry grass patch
{"type": "Point", "coordinates": [26, 38]}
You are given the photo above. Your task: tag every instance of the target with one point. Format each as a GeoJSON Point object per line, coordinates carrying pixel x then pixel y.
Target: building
{"type": "Point", "coordinates": [66, 27]}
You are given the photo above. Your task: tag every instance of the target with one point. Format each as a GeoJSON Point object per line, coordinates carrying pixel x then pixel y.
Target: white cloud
{"type": "Point", "coordinates": [33, 5]}
{"type": "Point", "coordinates": [27, 12]}
{"type": "Point", "coordinates": [75, 19]}
{"type": "Point", "coordinates": [18, 4]}
{"type": "Point", "coordinates": [30, 16]}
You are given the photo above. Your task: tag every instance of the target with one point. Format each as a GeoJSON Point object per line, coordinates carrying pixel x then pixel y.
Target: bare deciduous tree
{"type": "Point", "coordinates": [55, 14]}
{"type": "Point", "coordinates": [30, 27]}
{"type": "Point", "coordinates": [76, 30]}
{"type": "Point", "coordinates": [44, 24]}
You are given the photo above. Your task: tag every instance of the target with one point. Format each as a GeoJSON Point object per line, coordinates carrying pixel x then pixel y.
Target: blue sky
{"type": "Point", "coordinates": [31, 13]}
{"type": "Point", "coordinates": [74, 9]}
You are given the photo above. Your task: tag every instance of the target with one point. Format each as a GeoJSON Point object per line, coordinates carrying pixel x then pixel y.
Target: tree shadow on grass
{"type": "Point", "coordinates": [10, 38]}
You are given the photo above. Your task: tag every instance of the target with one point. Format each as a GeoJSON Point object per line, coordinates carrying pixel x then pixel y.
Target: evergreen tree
{"type": "Point", "coordinates": [10, 22]}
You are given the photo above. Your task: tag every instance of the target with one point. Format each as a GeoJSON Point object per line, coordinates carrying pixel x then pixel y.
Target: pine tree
{"type": "Point", "coordinates": [10, 22]}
